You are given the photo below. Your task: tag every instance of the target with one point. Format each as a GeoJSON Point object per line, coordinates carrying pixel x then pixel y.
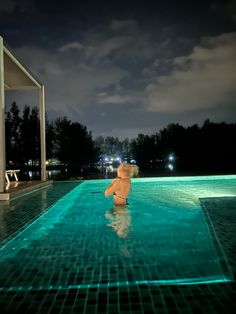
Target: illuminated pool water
{"type": "Point", "coordinates": [162, 237]}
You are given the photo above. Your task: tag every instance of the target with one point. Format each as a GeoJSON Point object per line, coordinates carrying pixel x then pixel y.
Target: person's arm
{"type": "Point", "coordinates": [112, 187]}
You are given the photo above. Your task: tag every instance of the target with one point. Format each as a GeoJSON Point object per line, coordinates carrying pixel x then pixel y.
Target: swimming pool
{"type": "Point", "coordinates": [162, 237]}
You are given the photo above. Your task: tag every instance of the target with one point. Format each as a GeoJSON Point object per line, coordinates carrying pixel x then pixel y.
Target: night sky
{"type": "Point", "coordinates": [127, 67]}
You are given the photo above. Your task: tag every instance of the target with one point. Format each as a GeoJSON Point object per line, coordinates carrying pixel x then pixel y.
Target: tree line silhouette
{"type": "Point", "coordinates": [69, 142]}
{"type": "Point", "coordinates": [209, 148]}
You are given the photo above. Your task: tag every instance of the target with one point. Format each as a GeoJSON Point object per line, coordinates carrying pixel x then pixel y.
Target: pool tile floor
{"type": "Point", "coordinates": [204, 298]}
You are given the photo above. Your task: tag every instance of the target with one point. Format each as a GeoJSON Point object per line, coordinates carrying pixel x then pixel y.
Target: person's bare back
{"type": "Point", "coordinates": [120, 187]}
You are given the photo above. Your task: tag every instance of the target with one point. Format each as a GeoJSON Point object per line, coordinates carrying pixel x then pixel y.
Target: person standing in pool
{"type": "Point", "coordinates": [120, 186]}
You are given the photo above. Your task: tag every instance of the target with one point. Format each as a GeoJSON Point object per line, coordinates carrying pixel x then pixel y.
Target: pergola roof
{"type": "Point", "coordinates": [16, 75]}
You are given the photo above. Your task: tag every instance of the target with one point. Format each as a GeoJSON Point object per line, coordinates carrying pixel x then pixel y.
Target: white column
{"type": "Point", "coordinates": [42, 132]}
{"type": "Point", "coordinates": [2, 122]}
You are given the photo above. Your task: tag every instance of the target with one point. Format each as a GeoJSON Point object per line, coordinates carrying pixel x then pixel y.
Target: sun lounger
{"type": "Point", "coordinates": [11, 173]}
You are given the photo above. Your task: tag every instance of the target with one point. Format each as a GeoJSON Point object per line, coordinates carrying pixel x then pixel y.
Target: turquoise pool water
{"type": "Point", "coordinates": [162, 237]}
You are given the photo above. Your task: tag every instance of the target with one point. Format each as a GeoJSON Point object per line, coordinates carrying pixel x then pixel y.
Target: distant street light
{"type": "Point", "coordinates": [171, 157]}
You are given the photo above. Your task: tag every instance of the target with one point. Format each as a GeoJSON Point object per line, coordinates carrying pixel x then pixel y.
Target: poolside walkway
{"type": "Point", "coordinates": [17, 188]}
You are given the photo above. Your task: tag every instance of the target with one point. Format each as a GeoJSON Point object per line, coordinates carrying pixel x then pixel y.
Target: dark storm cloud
{"type": "Point", "coordinates": [131, 68]}
{"type": "Point", "coordinates": [15, 6]}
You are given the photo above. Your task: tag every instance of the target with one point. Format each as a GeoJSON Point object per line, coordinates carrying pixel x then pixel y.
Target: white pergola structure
{"type": "Point", "coordinates": [14, 76]}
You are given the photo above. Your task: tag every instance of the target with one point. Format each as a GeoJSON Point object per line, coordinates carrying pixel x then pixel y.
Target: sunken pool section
{"type": "Point", "coordinates": [162, 237]}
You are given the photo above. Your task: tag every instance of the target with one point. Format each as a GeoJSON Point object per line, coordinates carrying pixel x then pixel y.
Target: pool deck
{"type": "Point", "coordinates": [18, 188]}
{"type": "Point", "coordinates": [200, 298]}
